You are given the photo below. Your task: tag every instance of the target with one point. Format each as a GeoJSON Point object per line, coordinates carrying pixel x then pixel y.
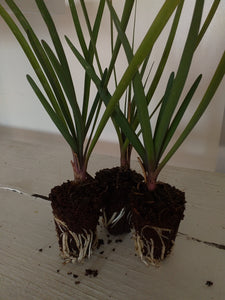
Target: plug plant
{"type": "Point", "coordinates": [158, 207]}
{"type": "Point", "coordinates": [57, 93]}
{"type": "Point", "coordinates": [116, 182]}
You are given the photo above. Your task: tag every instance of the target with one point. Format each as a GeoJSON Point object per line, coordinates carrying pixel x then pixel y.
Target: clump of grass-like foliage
{"type": "Point", "coordinates": [152, 145]}
{"type": "Point", "coordinates": [58, 93]}
{"type": "Point", "coordinates": [74, 123]}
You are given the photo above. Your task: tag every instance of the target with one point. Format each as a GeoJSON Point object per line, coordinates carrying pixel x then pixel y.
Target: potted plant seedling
{"type": "Point", "coordinates": [157, 207]}
{"type": "Point", "coordinates": [117, 182]}
{"type": "Point", "coordinates": [76, 204]}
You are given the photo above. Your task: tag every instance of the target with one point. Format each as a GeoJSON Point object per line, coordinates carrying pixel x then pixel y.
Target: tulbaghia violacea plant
{"type": "Point", "coordinates": [157, 207]}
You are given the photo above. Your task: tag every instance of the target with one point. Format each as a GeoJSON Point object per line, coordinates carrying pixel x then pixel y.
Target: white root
{"type": "Point", "coordinates": [120, 215]}
{"type": "Point", "coordinates": [83, 242]}
{"type": "Point", "coordinates": [116, 216]}
{"type": "Point", "coordinates": [141, 242]}
{"type": "Point", "coordinates": [129, 216]}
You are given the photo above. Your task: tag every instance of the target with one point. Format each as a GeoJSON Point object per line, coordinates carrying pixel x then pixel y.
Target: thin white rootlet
{"type": "Point", "coordinates": [84, 242]}
{"type": "Point", "coordinates": [116, 216]}
{"type": "Point", "coordinates": [141, 242]}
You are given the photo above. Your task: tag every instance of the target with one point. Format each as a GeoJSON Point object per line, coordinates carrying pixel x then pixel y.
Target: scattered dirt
{"type": "Point", "coordinates": [209, 283]}
{"type": "Point", "coordinates": [91, 273]}
{"type": "Point", "coordinates": [118, 241]}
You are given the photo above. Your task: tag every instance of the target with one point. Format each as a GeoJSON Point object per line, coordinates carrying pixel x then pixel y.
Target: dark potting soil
{"type": "Point", "coordinates": [116, 184]}
{"type": "Point", "coordinates": [78, 204]}
{"type": "Point", "coordinates": [162, 208]}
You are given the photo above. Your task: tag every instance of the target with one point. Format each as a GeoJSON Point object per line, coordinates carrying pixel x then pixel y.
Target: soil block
{"type": "Point", "coordinates": [116, 184]}
{"type": "Point", "coordinates": [76, 209]}
{"type": "Point", "coordinates": [156, 216]}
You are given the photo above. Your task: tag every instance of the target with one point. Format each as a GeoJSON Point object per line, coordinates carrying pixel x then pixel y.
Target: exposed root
{"type": "Point", "coordinates": [84, 242]}
{"type": "Point", "coordinates": [143, 245]}
{"type": "Point", "coordinates": [115, 218]}
{"type": "Point", "coordinates": [129, 217]}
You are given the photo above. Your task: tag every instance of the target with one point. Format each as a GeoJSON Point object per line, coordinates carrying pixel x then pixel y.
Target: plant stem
{"type": "Point", "coordinates": [125, 157]}
{"type": "Point", "coordinates": [79, 169]}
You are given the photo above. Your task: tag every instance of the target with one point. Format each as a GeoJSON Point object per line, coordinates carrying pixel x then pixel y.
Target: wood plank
{"type": "Point", "coordinates": [26, 226]}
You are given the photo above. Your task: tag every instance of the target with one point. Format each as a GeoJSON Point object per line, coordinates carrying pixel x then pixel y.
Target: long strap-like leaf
{"type": "Point", "coordinates": [65, 69]}
{"type": "Point", "coordinates": [143, 50]}
{"type": "Point", "coordinates": [44, 61]}
{"type": "Point", "coordinates": [166, 53]}
{"type": "Point", "coordinates": [117, 115]}
{"type": "Point", "coordinates": [214, 84]}
{"type": "Point", "coordinates": [53, 115]}
{"type": "Point", "coordinates": [179, 115]}
{"type": "Point", "coordinates": [181, 76]}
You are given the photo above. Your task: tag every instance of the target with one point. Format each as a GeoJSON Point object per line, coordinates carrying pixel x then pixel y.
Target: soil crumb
{"type": "Point", "coordinates": [118, 241]}
{"type": "Point", "coordinates": [91, 273]}
{"type": "Point", "coordinates": [100, 243]}
{"type": "Point", "coordinates": [209, 283]}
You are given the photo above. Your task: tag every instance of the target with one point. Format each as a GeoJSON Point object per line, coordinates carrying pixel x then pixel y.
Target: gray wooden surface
{"type": "Point", "coordinates": [30, 265]}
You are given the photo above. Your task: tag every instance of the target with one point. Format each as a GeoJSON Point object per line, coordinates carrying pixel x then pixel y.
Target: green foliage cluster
{"type": "Point", "coordinates": [81, 127]}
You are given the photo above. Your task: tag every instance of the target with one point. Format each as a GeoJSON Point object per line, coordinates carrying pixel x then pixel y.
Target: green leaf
{"type": "Point", "coordinates": [179, 114]}
{"type": "Point", "coordinates": [143, 50]}
{"type": "Point", "coordinates": [92, 51]}
{"type": "Point", "coordinates": [128, 6]}
{"type": "Point", "coordinates": [78, 28]}
{"type": "Point", "coordinates": [53, 115]}
{"type": "Point", "coordinates": [181, 74]}
{"type": "Point", "coordinates": [208, 20]}
{"type": "Point", "coordinates": [166, 53]}
{"type": "Point", "coordinates": [32, 59]}
{"type": "Point", "coordinates": [139, 96]}
{"type": "Point", "coordinates": [65, 69]}
{"type": "Point", "coordinates": [50, 73]}
{"type": "Point", "coordinates": [160, 120]}
{"type": "Point", "coordinates": [106, 97]}
{"type": "Point", "coordinates": [214, 84]}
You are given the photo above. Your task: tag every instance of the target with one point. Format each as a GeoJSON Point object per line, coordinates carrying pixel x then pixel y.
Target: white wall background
{"type": "Point", "coordinates": [20, 107]}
